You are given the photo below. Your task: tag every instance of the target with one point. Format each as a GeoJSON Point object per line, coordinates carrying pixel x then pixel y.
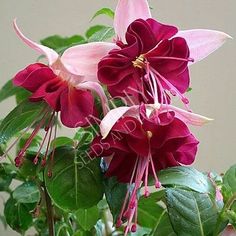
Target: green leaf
{"type": "Point", "coordinates": [102, 35]}
{"type": "Point", "coordinates": [28, 192]}
{"type": "Point", "coordinates": [18, 215]}
{"type": "Point", "coordinates": [104, 11]}
{"type": "Point", "coordinates": [59, 43]}
{"type": "Point", "coordinates": [62, 141]}
{"type": "Point", "coordinates": [154, 216]}
{"type": "Point", "coordinates": [8, 90]}
{"type": "Point", "coordinates": [229, 183]}
{"type": "Point", "coordinates": [76, 181]}
{"type": "Point", "coordinates": [115, 194]}
{"type": "Point", "coordinates": [94, 29]}
{"type": "Point", "coordinates": [186, 177]}
{"type": "Point", "coordinates": [87, 218]}
{"type": "Point", "coordinates": [83, 233]}
{"type": "Point", "coordinates": [141, 231]}
{"type": "Point", "coordinates": [22, 95]}
{"type": "Point", "coordinates": [189, 89]}
{"type": "Point", "coordinates": [191, 213]}
{"type": "Point", "coordinates": [7, 173]}
{"type": "Point", "coordinates": [20, 118]}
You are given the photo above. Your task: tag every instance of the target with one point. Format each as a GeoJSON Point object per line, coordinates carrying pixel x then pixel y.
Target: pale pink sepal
{"type": "Point", "coordinates": [51, 55]}
{"type": "Point", "coordinates": [112, 117]}
{"type": "Point", "coordinates": [188, 117]}
{"type": "Point", "coordinates": [128, 11]}
{"type": "Point", "coordinates": [83, 59]}
{"type": "Point", "coordinates": [97, 88]}
{"type": "Point", "coordinates": [202, 42]}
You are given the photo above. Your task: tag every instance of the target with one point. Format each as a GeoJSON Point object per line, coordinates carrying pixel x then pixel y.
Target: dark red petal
{"type": "Point", "coordinates": [162, 31]}
{"type": "Point", "coordinates": [50, 92]}
{"type": "Point", "coordinates": [77, 107]}
{"type": "Point", "coordinates": [33, 76]}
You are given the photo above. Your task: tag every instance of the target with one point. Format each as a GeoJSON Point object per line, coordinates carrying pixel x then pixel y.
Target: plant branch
{"type": "Point", "coordinates": [50, 217]}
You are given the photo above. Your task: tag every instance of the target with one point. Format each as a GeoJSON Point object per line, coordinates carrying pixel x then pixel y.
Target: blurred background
{"type": "Point", "coordinates": [213, 80]}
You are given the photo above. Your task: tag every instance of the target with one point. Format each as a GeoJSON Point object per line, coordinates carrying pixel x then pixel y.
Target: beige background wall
{"type": "Point", "coordinates": [213, 80]}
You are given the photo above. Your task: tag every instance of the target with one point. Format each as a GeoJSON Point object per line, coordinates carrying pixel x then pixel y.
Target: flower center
{"type": "Point", "coordinates": [139, 62]}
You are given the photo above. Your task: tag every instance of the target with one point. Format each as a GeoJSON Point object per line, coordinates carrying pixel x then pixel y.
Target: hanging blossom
{"type": "Point", "coordinates": [141, 140]}
{"type": "Point", "coordinates": [152, 54]}
{"type": "Point", "coordinates": [66, 85]}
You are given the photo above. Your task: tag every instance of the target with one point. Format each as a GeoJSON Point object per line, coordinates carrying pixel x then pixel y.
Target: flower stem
{"type": "Point", "coordinates": [50, 218]}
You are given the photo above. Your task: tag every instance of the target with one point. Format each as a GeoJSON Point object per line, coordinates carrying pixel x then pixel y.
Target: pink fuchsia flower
{"type": "Point", "coordinates": [141, 140]}
{"type": "Point", "coordinates": [152, 55]}
{"type": "Point", "coordinates": [67, 82]}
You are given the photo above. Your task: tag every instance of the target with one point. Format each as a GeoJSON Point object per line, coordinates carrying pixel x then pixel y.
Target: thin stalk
{"type": "Point", "coordinates": [50, 216]}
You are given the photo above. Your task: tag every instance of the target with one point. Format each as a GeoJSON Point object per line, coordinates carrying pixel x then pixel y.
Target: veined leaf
{"type": "Point", "coordinates": [76, 181]}
{"type": "Point", "coordinates": [94, 29]}
{"type": "Point", "coordinates": [102, 35]}
{"type": "Point", "coordinates": [191, 213]}
{"type": "Point", "coordinates": [104, 11]}
{"type": "Point", "coordinates": [8, 90]}
{"type": "Point", "coordinates": [187, 177]}
{"type": "Point", "coordinates": [20, 118]}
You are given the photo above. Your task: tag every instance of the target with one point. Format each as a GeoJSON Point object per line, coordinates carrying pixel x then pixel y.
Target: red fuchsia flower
{"type": "Point", "coordinates": [66, 84]}
{"type": "Point", "coordinates": [142, 140]}
{"type": "Point", "coordinates": [152, 55]}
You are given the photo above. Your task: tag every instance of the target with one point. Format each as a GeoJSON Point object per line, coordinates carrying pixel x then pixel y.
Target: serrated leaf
{"type": "Point", "coordinates": [8, 90]}
{"type": "Point", "coordinates": [229, 183]}
{"type": "Point", "coordinates": [27, 192]}
{"type": "Point", "coordinates": [115, 194]}
{"type": "Point", "coordinates": [104, 11]}
{"type": "Point", "coordinates": [87, 218]}
{"type": "Point", "coordinates": [18, 215]}
{"type": "Point", "coordinates": [186, 177]}
{"type": "Point", "coordinates": [76, 181]}
{"type": "Point", "coordinates": [191, 213]}
{"type": "Point", "coordinates": [20, 118]}
{"type": "Point", "coordinates": [102, 35]}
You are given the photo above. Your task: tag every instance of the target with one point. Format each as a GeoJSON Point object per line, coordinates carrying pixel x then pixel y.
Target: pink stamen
{"type": "Point", "coordinates": [157, 182]}
{"type": "Point", "coordinates": [174, 58]}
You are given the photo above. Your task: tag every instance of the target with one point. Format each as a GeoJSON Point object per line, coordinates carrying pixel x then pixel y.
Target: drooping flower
{"type": "Point", "coordinates": [141, 140]}
{"type": "Point", "coordinates": [66, 84]}
{"type": "Point", "coordinates": [152, 55]}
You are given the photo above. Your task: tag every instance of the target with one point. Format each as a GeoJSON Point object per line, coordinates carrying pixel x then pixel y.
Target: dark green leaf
{"type": "Point", "coordinates": [20, 118]}
{"type": "Point", "coordinates": [189, 90]}
{"type": "Point", "coordinates": [59, 43]}
{"type": "Point", "coordinates": [229, 183]}
{"type": "Point", "coordinates": [22, 95]}
{"type": "Point", "coordinates": [141, 231]}
{"type": "Point", "coordinates": [76, 181]}
{"type": "Point", "coordinates": [186, 177]}
{"type": "Point", "coordinates": [87, 218]}
{"type": "Point", "coordinates": [104, 11]}
{"type": "Point", "coordinates": [92, 30]}
{"type": "Point", "coordinates": [8, 90]}
{"type": "Point", "coordinates": [83, 233]}
{"type": "Point", "coordinates": [28, 192]}
{"type": "Point", "coordinates": [191, 213]}
{"type": "Point", "coordinates": [18, 215]}
{"type": "Point", "coordinates": [102, 35]}
{"type": "Point", "coordinates": [7, 173]}
{"type": "Point", "coordinates": [115, 194]}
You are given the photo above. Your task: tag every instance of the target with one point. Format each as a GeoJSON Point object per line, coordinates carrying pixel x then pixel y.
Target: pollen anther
{"type": "Point", "coordinates": [139, 62]}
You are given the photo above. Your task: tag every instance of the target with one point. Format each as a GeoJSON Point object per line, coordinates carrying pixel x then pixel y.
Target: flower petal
{"type": "Point", "coordinates": [128, 11]}
{"type": "Point", "coordinates": [83, 59]}
{"type": "Point", "coordinates": [97, 88]}
{"type": "Point", "coordinates": [203, 42]}
{"type": "Point", "coordinates": [189, 117]}
{"type": "Point", "coordinates": [112, 117]}
{"type": "Point", "coordinates": [51, 55]}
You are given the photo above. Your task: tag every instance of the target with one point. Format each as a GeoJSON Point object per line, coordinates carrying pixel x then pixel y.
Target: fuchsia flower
{"type": "Point", "coordinates": [142, 140]}
{"type": "Point", "coordinates": [152, 57]}
{"type": "Point", "coordinates": [66, 84]}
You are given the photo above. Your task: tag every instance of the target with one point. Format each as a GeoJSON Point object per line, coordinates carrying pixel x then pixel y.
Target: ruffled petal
{"type": "Point", "coordinates": [203, 42]}
{"type": "Point", "coordinates": [128, 11]}
{"type": "Point", "coordinates": [83, 59]}
{"type": "Point", "coordinates": [51, 55]}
